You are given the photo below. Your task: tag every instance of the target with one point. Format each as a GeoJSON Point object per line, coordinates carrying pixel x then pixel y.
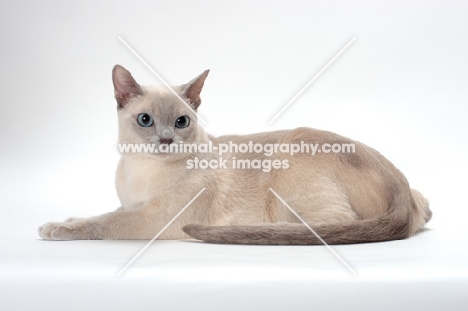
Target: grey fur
{"type": "Point", "coordinates": [394, 225]}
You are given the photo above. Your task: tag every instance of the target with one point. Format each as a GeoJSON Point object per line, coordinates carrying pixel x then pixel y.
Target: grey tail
{"type": "Point", "coordinates": [394, 225]}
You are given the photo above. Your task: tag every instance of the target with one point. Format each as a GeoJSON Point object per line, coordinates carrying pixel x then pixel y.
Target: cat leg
{"type": "Point", "coordinates": [71, 219]}
{"type": "Point", "coordinates": [110, 226]}
{"type": "Point", "coordinates": [421, 211]}
{"type": "Point", "coordinates": [318, 205]}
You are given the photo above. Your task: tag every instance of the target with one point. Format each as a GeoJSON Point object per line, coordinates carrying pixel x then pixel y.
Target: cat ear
{"type": "Point", "coordinates": [193, 89]}
{"type": "Point", "coordinates": [125, 87]}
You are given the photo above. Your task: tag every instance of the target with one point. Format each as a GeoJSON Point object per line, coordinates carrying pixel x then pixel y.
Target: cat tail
{"type": "Point", "coordinates": [398, 223]}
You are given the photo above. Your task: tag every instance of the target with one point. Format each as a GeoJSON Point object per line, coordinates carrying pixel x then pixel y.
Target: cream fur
{"type": "Point", "coordinates": [330, 191]}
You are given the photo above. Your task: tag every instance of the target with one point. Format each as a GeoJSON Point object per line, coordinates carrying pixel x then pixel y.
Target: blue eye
{"type": "Point", "coordinates": [182, 122]}
{"type": "Point", "coordinates": [145, 120]}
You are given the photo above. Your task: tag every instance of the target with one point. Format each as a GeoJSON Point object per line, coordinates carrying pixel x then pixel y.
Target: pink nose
{"type": "Point", "coordinates": [166, 141]}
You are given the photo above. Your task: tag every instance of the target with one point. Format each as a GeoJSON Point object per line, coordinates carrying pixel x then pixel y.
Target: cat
{"type": "Point", "coordinates": [345, 197]}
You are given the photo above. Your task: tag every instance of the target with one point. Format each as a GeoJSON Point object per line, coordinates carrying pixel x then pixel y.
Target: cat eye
{"type": "Point", "coordinates": [182, 122]}
{"type": "Point", "coordinates": [145, 120]}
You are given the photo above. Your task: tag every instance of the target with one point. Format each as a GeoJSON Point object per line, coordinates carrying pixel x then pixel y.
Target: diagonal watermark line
{"type": "Point", "coordinates": [159, 77]}
{"type": "Point", "coordinates": [160, 232]}
{"type": "Point", "coordinates": [311, 81]}
{"type": "Point", "coordinates": [313, 231]}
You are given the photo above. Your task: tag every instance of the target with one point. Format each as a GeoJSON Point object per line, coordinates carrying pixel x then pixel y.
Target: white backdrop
{"type": "Point", "coordinates": [401, 88]}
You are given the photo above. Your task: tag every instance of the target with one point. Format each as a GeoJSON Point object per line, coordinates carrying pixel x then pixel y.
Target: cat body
{"type": "Point", "coordinates": [345, 197]}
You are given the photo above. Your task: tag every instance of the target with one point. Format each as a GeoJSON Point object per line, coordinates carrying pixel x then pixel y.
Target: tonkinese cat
{"type": "Point", "coordinates": [346, 197]}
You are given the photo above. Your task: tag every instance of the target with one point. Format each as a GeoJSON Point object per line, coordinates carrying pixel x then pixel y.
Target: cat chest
{"type": "Point", "coordinates": [137, 183]}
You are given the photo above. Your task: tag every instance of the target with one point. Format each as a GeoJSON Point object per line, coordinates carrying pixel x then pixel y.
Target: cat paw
{"type": "Point", "coordinates": [59, 231]}
{"type": "Point", "coordinates": [72, 219]}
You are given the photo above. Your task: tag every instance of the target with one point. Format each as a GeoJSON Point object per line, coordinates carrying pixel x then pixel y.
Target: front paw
{"type": "Point", "coordinates": [60, 231]}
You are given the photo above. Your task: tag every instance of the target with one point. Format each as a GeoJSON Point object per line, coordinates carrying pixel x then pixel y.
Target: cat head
{"type": "Point", "coordinates": [154, 114]}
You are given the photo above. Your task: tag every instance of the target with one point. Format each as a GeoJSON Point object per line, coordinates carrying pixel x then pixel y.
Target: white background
{"type": "Point", "coordinates": [401, 88]}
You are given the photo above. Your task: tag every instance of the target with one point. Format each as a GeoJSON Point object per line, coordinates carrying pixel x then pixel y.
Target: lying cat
{"type": "Point", "coordinates": [345, 197]}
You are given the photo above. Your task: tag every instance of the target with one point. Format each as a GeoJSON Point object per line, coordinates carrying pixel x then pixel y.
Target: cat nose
{"type": "Point", "coordinates": [166, 141]}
